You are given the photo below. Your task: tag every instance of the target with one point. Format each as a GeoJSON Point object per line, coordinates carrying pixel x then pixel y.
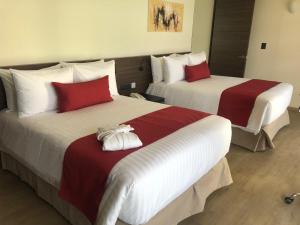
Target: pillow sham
{"type": "Point", "coordinates": [197, 72]}
{"type": "Point", "coordinates": [174, 68]}
{"type": "Point", "coordinates": [95, 63]}
{"type": "Point", "coordinates": [35, 93]}
{"type": "Point", "coordinates": [92, 72]}
{"type": "Point", "coordinates": [196, 58]}
{"type": "Point", "coordinates": [158, 68]}
{"type": "Point", "coordinates": [80, 95]}
{"type": "Point", "coordinates": [9, 87]}
{"type": "Point", "coordinates": [183, 58]}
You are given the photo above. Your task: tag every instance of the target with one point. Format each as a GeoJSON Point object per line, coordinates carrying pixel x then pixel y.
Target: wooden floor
{"type": "Point", "coordinates": [255, 198]}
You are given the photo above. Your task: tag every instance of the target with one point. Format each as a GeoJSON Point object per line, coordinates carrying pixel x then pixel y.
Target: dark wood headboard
{"type": "Point", "coordinates": [128, 69]}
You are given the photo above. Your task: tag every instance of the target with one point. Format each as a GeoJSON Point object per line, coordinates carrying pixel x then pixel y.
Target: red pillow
{"type": "Point", "coordinates": [197, 72]}
{"type": "Point", "coordinates": [79, 95]}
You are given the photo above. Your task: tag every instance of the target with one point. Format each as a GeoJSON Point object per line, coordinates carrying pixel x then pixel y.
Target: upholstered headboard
{"type": "Point", "coordinates": [128, 69]}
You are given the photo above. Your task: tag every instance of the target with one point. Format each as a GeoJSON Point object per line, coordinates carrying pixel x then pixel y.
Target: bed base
{"type": "Point", "coordinates": [189, 203]}
{"type": "Point", "coordinates": [264, 139]}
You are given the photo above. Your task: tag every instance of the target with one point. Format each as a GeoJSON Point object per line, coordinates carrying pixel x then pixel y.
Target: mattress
{"type": "Point", "coordinates": [204, 95]}
{"type": "Point", "coordinates": [141, 184]}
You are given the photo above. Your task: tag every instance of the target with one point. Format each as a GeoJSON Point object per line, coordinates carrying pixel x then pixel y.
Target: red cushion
{"type": "Point", "coordinates": [197, 72]}
{"type": "Point", "coordinates": [79, 95]}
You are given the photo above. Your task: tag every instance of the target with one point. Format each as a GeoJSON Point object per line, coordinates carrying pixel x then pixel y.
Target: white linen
{"type": "Point", "coordinates": [196, 58]}
{"type": "Point", "coordinates": [157, 69]}
{"type": "Point", "coordinates": [104, 131]}
{"type": "Point", "coordinates": [174, 68]}
{"type": "Point", "coordinates": [35, 93]}
{"type": "Point", "coordinates": [88, 72]}
{"type": "Point", "coordinates": [95, 63]}
{"type": "Point", "coordinates": [118, 138]}
{"type": "Point", "coordinates": [141, 184]}
{"type": "Point", "coordinates": [9, 86]}
{"type": "Point", "coordinates": [204, 95]}
{"type": "Point", "coordinates": [121, 141]}
{"type": "Point", "coordinates": [182, 58]}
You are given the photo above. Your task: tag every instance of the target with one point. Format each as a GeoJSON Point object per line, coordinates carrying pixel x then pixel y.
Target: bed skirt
{"type": "Point", "coordinates": [264, 139]}
{"type": "Point", "coordinates": [189, 203]}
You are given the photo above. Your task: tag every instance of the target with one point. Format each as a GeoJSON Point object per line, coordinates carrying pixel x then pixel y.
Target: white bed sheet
{"type": "Point", "coordinates": [141, 184]}
{"type": "Point", "coordinates": [204, 95]}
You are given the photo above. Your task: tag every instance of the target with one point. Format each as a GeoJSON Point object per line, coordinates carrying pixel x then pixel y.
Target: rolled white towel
{"type": "Point", "coordinates": [118, 138]}
{"type": "Point", "coordinates": [121, 141]}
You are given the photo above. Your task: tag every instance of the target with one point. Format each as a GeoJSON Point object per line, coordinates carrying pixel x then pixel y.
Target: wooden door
{"type": "Point", "coordinates": [230, 37]}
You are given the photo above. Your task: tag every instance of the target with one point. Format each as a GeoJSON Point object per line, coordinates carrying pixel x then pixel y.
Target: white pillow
{"type": "Point", "coordinates": [84, 72]}
{"type": "Point", "coordinates": [183, 58]}
{"type": "Point", "coordinates": [197, 58]}
{"type": "Point", "coordinates": [158, 68]}
{"type": "Point", "coordinates": [9, 87]}
{"type": "Point", "coordinates": [35, 93]}
{"type": "Point", "coordinates": [64, 64]}
{"type": "Point", "coordinates": [174, 68]}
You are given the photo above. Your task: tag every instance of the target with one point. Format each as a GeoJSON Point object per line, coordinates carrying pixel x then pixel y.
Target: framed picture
{"type": "Point", "coordinates": [165, 16]}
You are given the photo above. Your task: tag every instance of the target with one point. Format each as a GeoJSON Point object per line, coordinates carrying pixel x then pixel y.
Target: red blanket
{"type": "Point", "coordinates": [237, 102]}
{"type": "Point", "coordinates": [86, 167]}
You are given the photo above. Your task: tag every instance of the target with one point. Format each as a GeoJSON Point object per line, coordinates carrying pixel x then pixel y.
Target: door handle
{"type": "Point", "coordinates": [242, 57]}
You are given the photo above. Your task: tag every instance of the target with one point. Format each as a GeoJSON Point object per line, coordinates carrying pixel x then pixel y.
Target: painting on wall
{"type": "Point", "coordinates": [165, 16]}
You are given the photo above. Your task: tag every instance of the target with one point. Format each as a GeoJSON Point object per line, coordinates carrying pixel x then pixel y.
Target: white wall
{"type": "Point", "coordinates": [203, 15]}
{"type": "Point", "coordinates": [272, 23]}
{"type": "Point", "coordinates": [34, 31]}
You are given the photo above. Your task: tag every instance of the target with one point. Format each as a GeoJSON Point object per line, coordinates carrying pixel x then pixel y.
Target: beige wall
{"type": "Point", "coordinates": [272, 23]}
{"type": "Point", "coordinates": [203, 15]}
{"type": "Point", "coordinates": [35, 31]}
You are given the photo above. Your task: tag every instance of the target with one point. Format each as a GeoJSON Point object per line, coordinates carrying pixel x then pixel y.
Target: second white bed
{"type": "Point", "coordinates": [204, 95]}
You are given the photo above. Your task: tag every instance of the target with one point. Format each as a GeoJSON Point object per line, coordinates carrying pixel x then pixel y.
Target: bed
{"type": "Point", "coordinates": [189, 164]}
{"type": "Point", "coordinates": [268, 116]}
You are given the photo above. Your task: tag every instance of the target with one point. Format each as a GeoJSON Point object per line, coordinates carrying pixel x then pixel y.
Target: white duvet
{"type": "Point", "coordinates": [141, 184]}
{"type": "Point", "coordinates": [204, 95]}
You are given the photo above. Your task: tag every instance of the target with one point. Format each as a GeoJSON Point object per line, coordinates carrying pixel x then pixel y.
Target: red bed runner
{"type": "Point", "coordinates": [237, 102]}
{"type": "Point", "coordinates": [86, 167]}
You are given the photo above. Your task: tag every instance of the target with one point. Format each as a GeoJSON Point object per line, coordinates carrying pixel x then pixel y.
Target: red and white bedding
{"type": "Point", "coordinates": [205, 95]}
{"type": "Point", "coordinates": [85, 163]}
{"type": "Point", "coordinates": [139, 185]}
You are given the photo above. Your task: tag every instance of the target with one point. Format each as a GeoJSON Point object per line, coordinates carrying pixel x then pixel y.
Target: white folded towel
{"type": "Point", "coordinates": [104, 131]}
{"type": "Point", "coordinates": [118, 138]}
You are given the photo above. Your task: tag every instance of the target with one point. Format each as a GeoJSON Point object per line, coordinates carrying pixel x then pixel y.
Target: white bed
{"type": "Point", "coordinates": [204, 95]}
{"type": "Point", "coordinates": [39, 143]}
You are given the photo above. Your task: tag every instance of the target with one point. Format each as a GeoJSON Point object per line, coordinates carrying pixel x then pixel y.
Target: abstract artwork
{"type": "Point", "coordinates": [165, 16]}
